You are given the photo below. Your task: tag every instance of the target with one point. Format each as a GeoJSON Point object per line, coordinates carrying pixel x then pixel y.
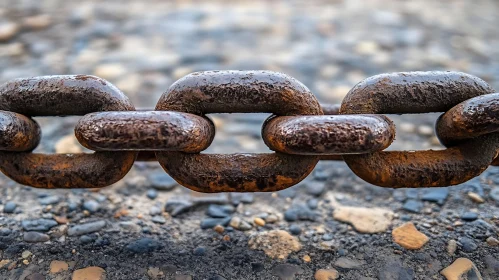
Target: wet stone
{"type": "Point", "coordinates": [91, 206]}
{"type": "Point", "coordinates": [9, 207]}
{"type": "Point", "coordinates": [86, 239]}
{"type": "Point", "coordinates": [313, 203]}
{"type": "Point", "coordinates": [395, 271]}
{"type": "Point", "coordinates": [177, 207]}
{"type": "Point", "coordinates": [315, 188]}
{"type": "Point", "coordinates": [144, 245]}
{"type": "Point", "coordinates": [199, 251]}
{"type": "Point", "coordinates": [494, 194]}
{"type": "Point", "coordinates": [295, 229]}
{"type": "Point", "coordinates": [469, 216]}
{"type": "Point", "coordinates": [286, 271]}
{"type": "Point", "coordinates": [38, 225]}
{"type": "Point", "coordinates": [152, 194]}
{"type": "Point", "coordinates": [328, 237]}
{"type": "Point", "coordinates": [300, 212]}
{"type": "Point", "coordinates": [257, 267]}
{"type": "Point", "coordinates": [346, 263]}
{"type": "Point", "coordinates": [35, 237]}
{"type": "Point", "coordinates": [438, 195]}
{"type": "Point", "coordinates": [467, 244]}
{"type": "Point", "coordinates": [237, 198]}
{"type": "Point", "coordinates": [158, 219]}
{"type": "Point", "coordinates": [162, 181]}
{"type": "Point", "coordinates": [413, 205]}
{"type": "Point", "coordinates": [220, 211]}
{"type": "Point", "coordinates": [86, 228]}
{"type": "Point", "coordinates": [48, 200]}
{"type": "Point", "coordinates": [212, 222]}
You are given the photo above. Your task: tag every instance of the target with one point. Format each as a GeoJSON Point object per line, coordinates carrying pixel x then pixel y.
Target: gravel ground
{"type": "Point", "coordinates": [332, 225]}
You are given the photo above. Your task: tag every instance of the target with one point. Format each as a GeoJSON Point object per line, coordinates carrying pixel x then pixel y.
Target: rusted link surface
{"type": "Point", "coordinates": [236, 172]}
{"type": "Point", "coordinates": [95, 170]}
{"type": "Point", "coordinates": [230, 92]}
{"type": "Point", "coordinates": [321, 135]}
{"type": "Point", "coordinates": [18, 133]}
{"type": "Point", "coordinates": [239, 92]}
{"type": "Point", "coordinates": [426, 168]}
{"type": "Point", "coordinates": [418, 92]}
{"type": "Point", "coordinates": [145, 131]}
{"type": "Point", "coordinates": [64, 95]}
{"type": "Point", "coordinates": [469, 119]}
{"type": "Point", "coordinates": [412, 92]}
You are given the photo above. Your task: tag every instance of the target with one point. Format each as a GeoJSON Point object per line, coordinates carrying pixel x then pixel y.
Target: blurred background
{"type": "Point", "coordinates": [143, 46]}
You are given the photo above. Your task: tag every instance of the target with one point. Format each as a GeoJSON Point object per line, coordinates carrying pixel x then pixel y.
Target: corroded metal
{"type": "Point", "coordinates": [95, 170]}
{"type": "Point", "coordinates": [236, 172]}
{"type": "Point", "coordinates": [238, 91]}
{"type": "Point", "coordinates": [145, 131]}
{"type": "Point", "coordinates": [412, 92]}
{"type": "Point", "coordinates": [322, 135]}
{"type": "Point", "coordinates": [18, 133]}
{"type": "Point", "coordinates": [419, 92]}
{"type": "Point", "coordinates": [469, 119]}
{"type": "Point", "coordinates": [66, 95]}
{"type": "Point", "coordinates": [58, 96]}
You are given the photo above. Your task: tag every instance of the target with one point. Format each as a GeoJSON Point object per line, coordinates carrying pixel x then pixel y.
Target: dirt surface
{"type": "Point", "coordinates": [147, 227]}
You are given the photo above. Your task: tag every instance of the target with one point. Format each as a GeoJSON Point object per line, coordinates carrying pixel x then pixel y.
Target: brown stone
{"type": "Point", "coordinates": [408, 236]}
{"type": "Point", "coordinates": [459, 269]}
{"type": "Point", "coordinates": [89, 273]}
{"type": "Point", "coordinates": [4, 263]}
{"type": "Point", "coordinates": [58, 266]}
{"type": "Point", "coordinates": [326, 274]}
{"type": "Point", "coordinates": [275, 243]}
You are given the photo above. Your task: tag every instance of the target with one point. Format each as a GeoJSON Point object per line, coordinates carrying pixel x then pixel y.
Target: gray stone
{"type": "Point", "coordinates": [9, 207]}
{"type": "Point", "coordinates": [48, 200]}
{"type": "Point", "coordinates": [144, 245]}
{"type": "Point", "coordinates": [315, 188]}
{"type": "Point", "coordinates": [438, 195]}
{"type": "Point", "coordinates": [35, 237]}
{"type": "Point", "coordinates": [91, 206]}
{"type": "Point", "coordinates": [152, 194]}
{"type": "Point", "coordinates": [158, 219]}
{"type": "Point", "coordinates": [212, 222]}
{"type": "Point", "coordinates": [220, 211]}
{"type": "Point", "coordinates": [162, 181]}
{"type": "Point", "coordinates": [295, 229]}
{"type": "Point", "coordinates": [413, 205]}
{"type": "Point", "coordinates": [347, 263]}
{"type": "Point", "coordinates": [286, 271]}
{"type": "Point", "coordinates": [469, 216]}
{"type": "Point", "coordinates": [395, 271]}
{"type": "Point", "coordinates": [38, 225]}
{"type": "Point", "coordinates": [300, 212]}
{"type": "Point", "coordinates": [86, 228]}
{"type": "Point", "coordinates": [467, 244]}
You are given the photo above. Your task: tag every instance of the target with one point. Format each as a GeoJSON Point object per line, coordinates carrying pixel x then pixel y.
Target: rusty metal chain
{"type": "Point", "coordinates": [300, 130]}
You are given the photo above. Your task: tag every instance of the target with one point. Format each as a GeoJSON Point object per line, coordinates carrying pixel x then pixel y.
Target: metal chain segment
{"type": "Point", "coordinates": [419, 92]}
{"type": "Point", "coordinates": [238, 91]}
{"type": "Point", "coordinates": [61, 96]}
{"type": "Point", "coordinates": [298, 131]}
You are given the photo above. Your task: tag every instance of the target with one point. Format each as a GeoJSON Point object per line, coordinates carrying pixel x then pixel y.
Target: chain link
{"type": "Point", "coordinates": [300, 130]}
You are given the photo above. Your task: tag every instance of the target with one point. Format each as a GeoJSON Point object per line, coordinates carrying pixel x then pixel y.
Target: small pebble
{"type": "Point", "coordinates": [475, 197]}
{"type": "Point", "coordinates": [91, 206]}
{"type": "Point", "coordinates": [219, 229]}
{"type": "Point", "coordinates": [307, 258]}
{"type": "Point", "coordinates": [469, 216]}
{"type": "Point", "coordinates": [35, 237]}
{"type": "Point", "coordinates": [86, 228]}
{"type": "Point", "coordinates": [467, 244]}
{"type": "Point", "coordinates": [152, 194]}
{"type": "Point", "coordinates": [451, 247]}
{"type": "Point", "coordinates": [295, 229]}
{"type": "Point", "coordinates": [158, 219]}
{"type": "Point", "coordinates": [327, 237]}
{"type": "Point", "coordinates": [199, 251]}
{"type": "Point", "coordinates": [259, 222]}
{"type": "Point", "coordinates": [326, 274]}
{"type": "Point", "coordinates": [491, 241]}
{"type": "Point", "coordinates": [9, 207]}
